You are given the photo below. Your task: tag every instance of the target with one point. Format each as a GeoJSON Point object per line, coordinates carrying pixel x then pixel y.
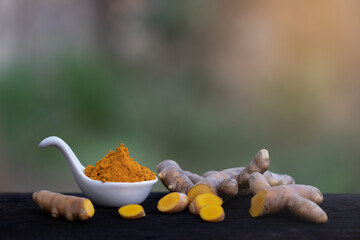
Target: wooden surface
{"type": "Point", "coordinates": [21, 218]}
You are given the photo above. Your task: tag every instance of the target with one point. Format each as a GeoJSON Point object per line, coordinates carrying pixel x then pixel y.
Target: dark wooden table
{"type": "Point", "coordinates": [20, 218]}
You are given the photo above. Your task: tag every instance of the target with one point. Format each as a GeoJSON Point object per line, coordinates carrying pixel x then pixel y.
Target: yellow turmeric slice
{"type": "Point", "coordinates": [132, 211]}
{"type": "Point", "coordinates": [203, 200]}
{"type": "Point", "coordinates": [212, 213]}
{"type": "Point", "coordinates": [173, 202]}
{"type": "Point", "coordinates": [257, 204]}
{"type": "Point", "coordinates": [197, 190]}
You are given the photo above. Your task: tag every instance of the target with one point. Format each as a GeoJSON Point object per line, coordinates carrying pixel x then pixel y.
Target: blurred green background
{"type": "Point", "coordinates": [206, 83]}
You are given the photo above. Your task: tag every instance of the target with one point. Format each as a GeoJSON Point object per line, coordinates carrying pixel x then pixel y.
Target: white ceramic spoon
{"type": "Point", "coordinates": [107, 194]}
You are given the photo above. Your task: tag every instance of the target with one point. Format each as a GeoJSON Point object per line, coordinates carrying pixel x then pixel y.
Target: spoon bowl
{"type": "Point", "coordinates": [106, 194]}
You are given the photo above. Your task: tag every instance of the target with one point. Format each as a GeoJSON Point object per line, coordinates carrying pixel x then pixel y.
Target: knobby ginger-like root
{"type": "Point", "coordinates": [302, 200]}
{"type": "Point", "coordinates": [174, 178]}
{"type": "Point", "coordinates": [131, 211]}
{"type": "Point", "coordinates": [258, 182]}
{"type": "Point", "coordinates": [208, 173]}
{"type": "Point", "coordinates": [231, 182]}
{"type": "Point", "coordinates": [260, 164]}
{"type": "Point", "coordinates": [203, 200]}
{"type": "Point", "coordinates": [70, 207]}
{"type": "Point", "coordinates": [275, 179]}
{"type": "Point", "coordinates": [221, 183]}
{"type": "Point", "coordinates": [173, 202]}
{"type": "Point", "coordinates": [194, 178]}
{"type": "Point", "coordinates": [307, 210]}
{"type": "Point", "coordinates": [212, 213]}
{"type": "Point", "coordinates": [226, 184]}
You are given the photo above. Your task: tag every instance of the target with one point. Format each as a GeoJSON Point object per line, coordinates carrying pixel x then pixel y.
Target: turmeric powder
{"type": "Point", "coordinates": [119, 167]}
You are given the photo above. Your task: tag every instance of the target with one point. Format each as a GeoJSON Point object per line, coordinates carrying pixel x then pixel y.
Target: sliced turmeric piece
{"type": "Point", "coordinates": [212, 213]}
{"type": "Point", "coordinates": [257, 204]}
{"type": "Point", "coordinates": [203, 200]}
{"type": "Point", "coordinates": [173, 202]}
{"type": "Point", "coordinates": [132, 211]}
{"type": "Point", "coordinates": [197, 190]}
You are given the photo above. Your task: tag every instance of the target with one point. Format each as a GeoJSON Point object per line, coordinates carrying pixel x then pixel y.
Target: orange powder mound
{"type": "Point", "coordinates": [119, 167]}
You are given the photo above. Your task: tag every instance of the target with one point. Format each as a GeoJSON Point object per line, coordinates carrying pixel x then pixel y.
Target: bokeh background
{"type": "Point", "coordinates": [206, 83]}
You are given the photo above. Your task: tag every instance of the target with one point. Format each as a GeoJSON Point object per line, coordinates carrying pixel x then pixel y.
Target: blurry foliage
{"type": "Point", "coordinates": [94, 104]}
{"type": "Point", "coordinates": [163, 107]}
{"type": "Point", "coordinates": [93, 101]}
{"type": "Point", "coordinates": [172, 24]}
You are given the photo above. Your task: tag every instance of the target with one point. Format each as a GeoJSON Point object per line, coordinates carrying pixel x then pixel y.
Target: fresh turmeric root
{"type": "Point", "coordinates": [59, 205]}
{"type": "Point", "coordinates": [273, 192]}
{"type": "Point", "coordinates": [233, 181]}
{"type": "Point", "coordinates": [212, 213]}
{"type": "Point", "coordinates": [223, 183]}
{"type": "Point", "coordinates": [174, 178]}
{"type": "Point", "coordinates": [276, 179]}
{"type": "Point", "coordinates": [132, 211]}
{"type": "Point", "coordinates": [173, 203]}
{"type": "Point", "coordinates": [301, 200]}
{"type": "Point", "coordinates": [204, 200]}
{"type": "Point", "coordinates": [226, 184]}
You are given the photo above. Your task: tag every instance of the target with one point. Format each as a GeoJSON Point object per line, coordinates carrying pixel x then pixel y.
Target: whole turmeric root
{"type": "Point", "coordinates": [276, 179]}
{"type": "Point", "coordinates": [223, 183]}
{"type": "Point", "coordinates": [226, 184]}
{"type": "Point", "coordinates": [301, 200]}
{"type": "Point", "coordinates": [174, 178]}
{"type": "Point", "coordinates": [233, 181]}
{"type": "Point", "coordinates": [59, 205]}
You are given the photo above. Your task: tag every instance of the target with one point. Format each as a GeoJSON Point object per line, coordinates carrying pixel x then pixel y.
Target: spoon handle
{"type": "Point", "coordinates": [75, 166]}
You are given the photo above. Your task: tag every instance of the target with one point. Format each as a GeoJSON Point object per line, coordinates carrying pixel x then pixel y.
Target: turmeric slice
{"type": "Point", "coordinates": [212, 213]}
{"type": "Point", "coordinates": [70, 207]}
{"type": "Point", "coordinates": [173, 203]}
{"type": "Point", "coordinates": [132, 211]}
{"type": "Point", "coordinates": [197, 190]}
{"type": "Point", "coordinates": [203, 200]}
